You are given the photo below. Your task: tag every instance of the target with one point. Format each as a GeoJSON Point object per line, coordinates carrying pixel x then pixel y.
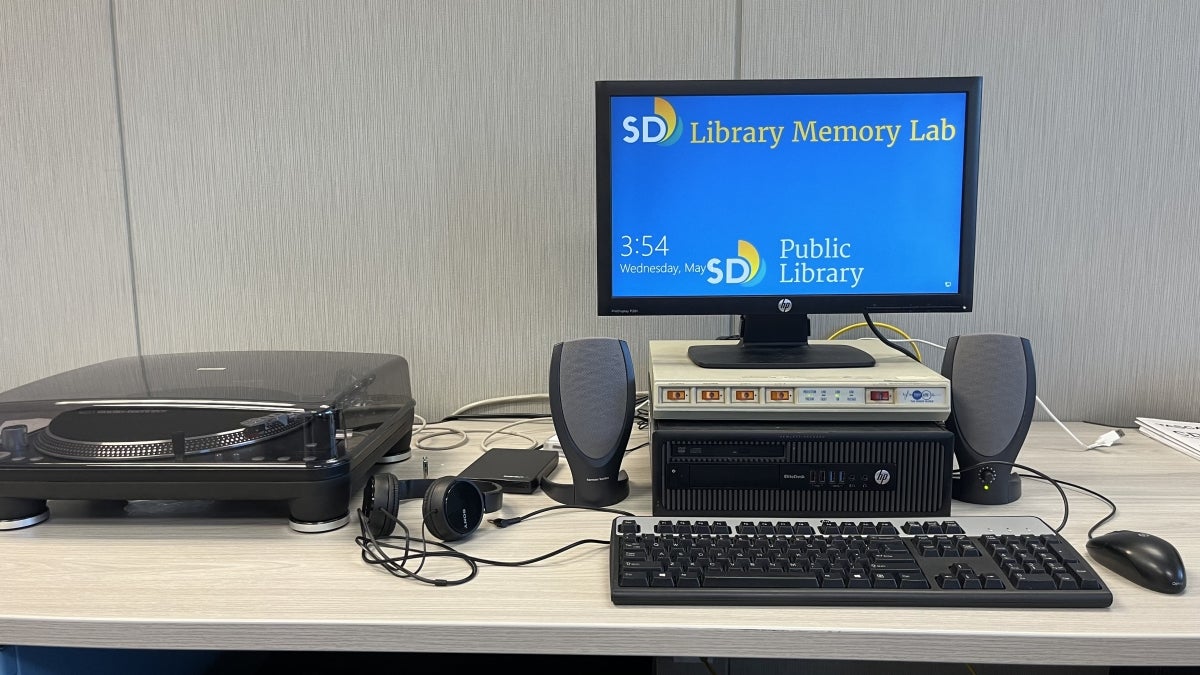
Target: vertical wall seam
{"type": "Point", "coordinates": [133, 296]}
{"type": "Point", "coordinates": [738, 10]}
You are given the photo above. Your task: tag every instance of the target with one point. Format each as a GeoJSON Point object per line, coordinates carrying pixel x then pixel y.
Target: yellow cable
{"type": "Point", "coordinates": [863, 324]}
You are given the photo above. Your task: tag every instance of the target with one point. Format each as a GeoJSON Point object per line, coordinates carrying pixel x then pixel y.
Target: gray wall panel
{"type": "Point", "coordinates": [65, 273]}
{"type": "Point", "coordinates": [417, 177]}
{"type": "Point", "coordinates": [1087, 201]}
{"type": "Point", "coordinates": [412, 177]}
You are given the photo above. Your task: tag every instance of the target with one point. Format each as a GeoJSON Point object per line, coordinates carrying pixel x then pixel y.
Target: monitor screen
{"type": "Point", "coordinates": [776, 199]}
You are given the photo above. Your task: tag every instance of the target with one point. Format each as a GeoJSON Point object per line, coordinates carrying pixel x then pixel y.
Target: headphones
{"type": "Point", "coordinates": [451, 507]}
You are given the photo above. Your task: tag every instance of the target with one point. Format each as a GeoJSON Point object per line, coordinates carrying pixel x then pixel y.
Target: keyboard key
{"type": "Point", "coordinates": [634, 579]}
{"type": "Point", "coordinates": [883, 580]}
{"type": "Point", "coordinates": [947, 581]}
{"type": "Point", "coordinates": [641, 566]}
{"type": "Point", "coordinates": [727, 580]}
{"type": "Point", "coordinates": [896, 566]}
{"type": "Point", "coordinates": [991, 581]}
{"type": "Point", "coordinates": [1032, 581]}
{"type": "Point", "coordinates": [1065, 581]}
{"type": "Point", "coordinates": [858, 580]}
{"type": "Point", "coordinates": [662, 579]}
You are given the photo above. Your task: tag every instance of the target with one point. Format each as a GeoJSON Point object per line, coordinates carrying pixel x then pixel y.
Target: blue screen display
{"type": "Point", "coordinates": [787, 194]}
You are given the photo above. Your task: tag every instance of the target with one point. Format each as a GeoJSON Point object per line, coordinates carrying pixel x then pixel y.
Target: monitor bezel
{"type": "Point", "coordinates": [960, 301]}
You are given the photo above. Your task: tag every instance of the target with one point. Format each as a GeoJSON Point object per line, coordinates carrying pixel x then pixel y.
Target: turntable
{"type": "Point", "coordinates": [301, 427]}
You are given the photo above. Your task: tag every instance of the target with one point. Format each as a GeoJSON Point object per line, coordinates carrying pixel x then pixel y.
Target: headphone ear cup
{"type": "Point", "coordinates": [381, 503]}
{"type": "Point", "coordinates": [453, 508]}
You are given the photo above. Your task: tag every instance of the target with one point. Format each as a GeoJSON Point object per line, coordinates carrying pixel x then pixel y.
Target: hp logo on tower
{"type": "Point", "coordinates": [882, 477]}
{"type": "Point", "coordinates": [785, 305]}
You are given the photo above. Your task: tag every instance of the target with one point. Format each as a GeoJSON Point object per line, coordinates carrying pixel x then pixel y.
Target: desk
{"type": "Point", "coordinates": [163, 579]}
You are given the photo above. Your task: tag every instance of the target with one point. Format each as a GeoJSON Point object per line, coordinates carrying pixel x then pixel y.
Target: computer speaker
{"type": "Point", "coordinates": [993, 389]}
{"type": "Point", "coordinates": [592, 401]}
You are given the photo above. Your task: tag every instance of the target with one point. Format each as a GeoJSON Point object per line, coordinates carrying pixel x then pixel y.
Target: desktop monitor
{"type": "Point", "coordinates": [777, 199]}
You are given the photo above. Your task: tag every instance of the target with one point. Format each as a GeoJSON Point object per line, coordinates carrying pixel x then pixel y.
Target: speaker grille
{"type": "Point", "coordinates": [593, 379]}
{"type": "Point", "coordinates": [990, 390]}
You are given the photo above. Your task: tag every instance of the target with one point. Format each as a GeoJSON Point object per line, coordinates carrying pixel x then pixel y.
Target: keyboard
{"type": "Point", "coordinates": [971, 561]}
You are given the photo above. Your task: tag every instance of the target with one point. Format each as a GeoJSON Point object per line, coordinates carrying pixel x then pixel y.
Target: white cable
{"type": "Point", "coordinates": [517, 398]}
{"type": "Point", "coordinates": [1064, 427]}
{"type": "Point", "coordinates": [434, 432]}
{"type": "Point", "coordinates": [504, 430]}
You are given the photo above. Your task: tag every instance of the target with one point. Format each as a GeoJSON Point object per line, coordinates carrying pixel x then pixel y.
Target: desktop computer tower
{"type": "Point", "coordinates": [793, 469]}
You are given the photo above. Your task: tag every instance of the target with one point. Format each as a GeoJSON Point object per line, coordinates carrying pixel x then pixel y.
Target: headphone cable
{"type": "Point", "coordinates": [374, 550]}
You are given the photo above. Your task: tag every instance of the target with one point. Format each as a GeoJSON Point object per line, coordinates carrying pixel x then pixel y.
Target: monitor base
{"type": "Point", "coordinates": [801, 355]}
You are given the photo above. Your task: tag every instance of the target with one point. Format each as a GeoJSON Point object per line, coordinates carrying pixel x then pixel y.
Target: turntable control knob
{"type": "Point", "coordinates": [14, 439]}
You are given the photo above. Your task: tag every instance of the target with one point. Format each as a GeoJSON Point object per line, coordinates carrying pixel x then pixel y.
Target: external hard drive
{"type": "Point", "coordinates": [515, 470]}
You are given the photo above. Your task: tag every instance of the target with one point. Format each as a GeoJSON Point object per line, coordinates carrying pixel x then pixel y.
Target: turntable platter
{"type": "Point", "coordinates": [136, 432]}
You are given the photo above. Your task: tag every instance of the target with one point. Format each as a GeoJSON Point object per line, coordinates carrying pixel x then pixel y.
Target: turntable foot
{"type": "Point", "coordinates": [18, 513]}
{"type": "Point", "coordinates": [326, 526]}
{"type": "Point", "coordinates": [320, 511]}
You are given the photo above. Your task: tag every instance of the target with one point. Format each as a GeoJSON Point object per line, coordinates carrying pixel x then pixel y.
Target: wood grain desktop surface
{"type": "Point", "coordinates": [234, 576]}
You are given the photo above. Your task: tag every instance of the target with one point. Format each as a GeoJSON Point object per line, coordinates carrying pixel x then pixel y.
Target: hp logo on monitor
{"type": "Point", "coordinates": [785, 305]}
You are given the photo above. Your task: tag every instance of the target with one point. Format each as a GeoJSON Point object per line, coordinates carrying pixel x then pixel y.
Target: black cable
{"type": "Point", "coordinates": [893, 345]}
{"type": "Point", "coordinates": [1056, 483]}
{"type": "Point", "coordinates": [518, 563]}
{"type": "Point", "coordinates": [372, 553]}
{"type": "Point", "coordinates": [1112, 506]}
{"type": "Point", "coordinates": [1112, 512]}
{"type": "Point", "coordinates": [374, 550]}
{"type": "Point", "coordinates": [505, 522]}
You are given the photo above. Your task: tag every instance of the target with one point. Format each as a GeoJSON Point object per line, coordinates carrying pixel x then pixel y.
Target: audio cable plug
{"type": "Point", "coordinates": [1107, 439]}
{"type": "Point", "coordinates": [505, 522]}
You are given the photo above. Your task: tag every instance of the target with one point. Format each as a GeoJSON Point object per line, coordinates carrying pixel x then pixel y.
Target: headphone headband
{"type": "Point", "coordinates": [415, 488]}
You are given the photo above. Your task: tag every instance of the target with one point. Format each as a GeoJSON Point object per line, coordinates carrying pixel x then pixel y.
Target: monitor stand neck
{"type": "Point", "coordinates": [770, 341]}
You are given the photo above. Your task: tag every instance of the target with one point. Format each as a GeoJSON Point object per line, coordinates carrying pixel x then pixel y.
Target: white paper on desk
{"type": "Point", "coordinates": [1183, 436]}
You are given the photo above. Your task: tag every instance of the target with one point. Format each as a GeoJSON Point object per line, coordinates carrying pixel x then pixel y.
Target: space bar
{"type": "Point", "coordinates": [743, 580]}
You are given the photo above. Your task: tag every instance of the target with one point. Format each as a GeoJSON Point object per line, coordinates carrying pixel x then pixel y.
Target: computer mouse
{"type": "Point", "coordinates": [1142, 558]}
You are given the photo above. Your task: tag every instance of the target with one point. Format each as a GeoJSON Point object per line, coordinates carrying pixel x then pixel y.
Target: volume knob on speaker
{"type": "Point", "coordinates": [592, 399]}
{"type": "Point", "coordinates": [993, 390]}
